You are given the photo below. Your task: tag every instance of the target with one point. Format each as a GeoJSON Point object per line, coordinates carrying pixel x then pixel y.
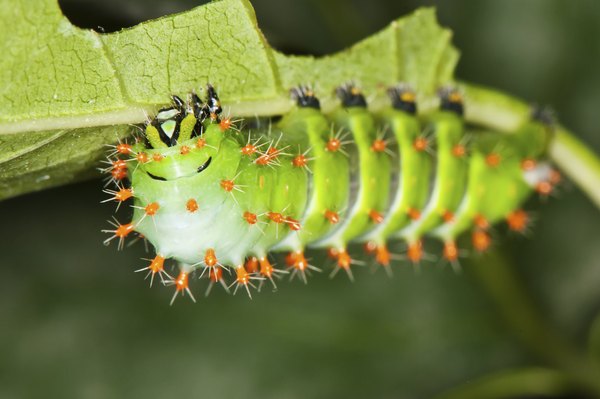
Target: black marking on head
{"type": "Point", "coordinates": [403, 99]}
{"type": "Point", "coordinates": [351, 96]}
{"type": "Point", "coordinates": [204, 165]}
{"type": "Point", "coordinates": [544, 115]}
{"type": "Point", "coordinates": [451, 100]}
{"type": "Point", "coordinates": [212, 108]}
{"type": "Point", "coordinates": [156, 177]}
{"type": "Point", "coordinates": [179, 104]}
{"type": "Point", "coordinates": [170, 141]}
{"type": "Point", "coordinates": [305, 97]}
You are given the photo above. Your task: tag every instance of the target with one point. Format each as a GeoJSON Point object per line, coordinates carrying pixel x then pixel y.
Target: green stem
{"type": "Point", "coordinates": [502, 112]}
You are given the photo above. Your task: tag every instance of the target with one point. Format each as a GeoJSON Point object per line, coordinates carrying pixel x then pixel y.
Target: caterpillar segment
{"type": "Point", "coordinates": [218, 198]}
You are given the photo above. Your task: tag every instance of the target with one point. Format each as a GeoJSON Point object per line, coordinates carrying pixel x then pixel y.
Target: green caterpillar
{"type": "Point", "coordinates": [212, 196]}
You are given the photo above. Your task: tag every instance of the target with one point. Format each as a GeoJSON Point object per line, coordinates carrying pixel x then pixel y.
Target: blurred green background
{"type": "Point", "coordinates": [78, 323]}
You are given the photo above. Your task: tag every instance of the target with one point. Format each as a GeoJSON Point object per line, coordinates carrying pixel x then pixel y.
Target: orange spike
{"type": "Point", "coordinates": [450, 251]}
{"type": "Point", "coordinates": [119, 164]}
{"type": "Point", "coordinates": [157, 264]}
{"type": "Point", "coordinates": [459, 150]}
{"type": "Point", "coordinates": [242, 276]}
{"type": "Point", "coordinates": [528, 164]}
{"type": "Point", "coordinates": [333, 144]}
{"type": "Point", "coordinates": [227, 185]}
{"type": "Point", "coordinates": [191, 205]}
{"type": "Point", "coordinates": [481, 222]}
{"type": "Point", "coordinates": [415, 251]}
{"type": "Point", "coordinates": [215, 274]}
{"type": "Point", "coordinates": [181, 282]}
{"type": "Point", "coordinates": [413, 213]}
{"type": "Point", "coordinates": [382, 255]}
{"type": "Point", "coordinates": [378, 145]}
{"type": "Point", "coordinates": [251, 265]}
{"type": "Point", "coordinates": [210, 259]}
{"type": "Point", "coordinates": [263, 160]}
{"type": "Point", "coordinates": [123, 194]}
{"type": "Point", "coordinates": [376, 217]}
{"type": "Point", "coordinates": [300, 161]}
{"type": "Point", "coordinates": [157, 157]}
{"type": "Point", "coordinates": [555, 177]}
{"type": "Point", "coordinates": [448, 216]}
{"type": "Point", "coordinates": [332, 216]}
{"type": "Point", "coordinates": [123, 230]}
{"type": "Point", "coordinates": [370, 247]}
{"type": "Point", "coordinates": [297, 260]}
{"type": "Point", "coordinates": [273, 152]}
{"type": "Point", "coordinates": [225, 124]}
{"type": "Point", "coordinates": [123, 148]}
{"type": "Point", "coordinates": [248, 149]}
{"type": "Point", "coordinates": [141, 157]}
{"type": "Point", "coordinates": [293, 224]}
{"type": "Point", "coordinates": [420, 144]}
{"type": "Point", "coordinates": [184, 150]}
{"type": "Point", "coordinates": [518, 220]}
{"type": "Point", "coordinates": [481, 240]}
{"type": "Point", "coordinates": [250, 217]}
{"type": "Point", "coordinates": [493, 159]}
{"type": "Point", "coordinates": [266, 269]}
{"type": "Point", "coordinates": [152, 208]}
{"type": "Point", "coordinates": [200, 143]}
{"type": "Point", "coordinates": [276, 217]}
{"type": "Point", "coordinates": [118, 174]}
{"type": "Point", "coordinates": [343, 259]}
{"type": "Point", "coordinates": [544, 188]}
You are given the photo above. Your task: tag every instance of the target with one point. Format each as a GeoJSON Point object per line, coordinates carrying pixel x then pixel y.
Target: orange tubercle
{"type": "Point", "coordinates": [382, 255]}
{"type": "Point", "coordinates": [123, 230]}
{"type": "Point", "coordinates": [343, 259]}
{"type": "Point", "coordinates": [413, 213]}
{"type": "Point", "coordinates": [266, 269]}
{"type": "Point", "coordinates": [157, 264]}
{"type": "Point", "coordinates": [250, 217]}
{"type": "Point", "coordinates": [378, 145]}
{"type": "Point", "coordinates": [152, 208]}
{"type": "Point", "coordinates": [555, 177]}
{"type": "Point", "coordinates": [276, 217]}
{"type": "Point", "coordinates": [493, 159]}
{"type": "Point", "coordinates": [450, 251]}
{"type": "Point", "coordinates": [225, 124]}
{"type": "Point", "coordinates": [528, 164]}
{"type": "Point", "coordinates": [459, 150]}
{"type": "Point", "coordinates": [481, 240]}
{"type": "Point", "coordinates": [251, 265]}
{"type": "Point", "coordinates": [184, 150]}
{"type": "Point", "coordinates": [210, 259]}
{"type": "Point", "coordinates": [420, 144]}
{"type": "Point", "coordinates": [124, 148]}
{"type": "Point", "coordinates": [448, 216]}
{"type": "Point", "coordinates": [157, 157]}
{"type": "Point", "coordinates": [227, 185]}
{"type": "Point", "coordinates": [544, 188]}
{"type": "Point", "coordinates": [123, 194]}
{"type": "Point", "coordinates": [263, 160]}
{"type": "Point", "coordinates": [333, 145]}
{"type": "Point", "coordinates": [376, 217]}
{"type": "Point", "coordinates": [370, 247]}
{"type": "Point", "coordinates": [300, 161]}
{"type": "Point", "coordinates": [181, 282]}
{"type": "Point", "coordinates": [481, 222]}
{"type": "Point", "coordinates": [191, 205]}
{"type": "Point", "coordinates": [200, 143]}
{"type": "Point", "coordinates": [215, 274]}
{"type": "Point", "coordinates": [518, 220]}
{"type": "Point", "coordinates": [118, 174]}
{"type": "Point", "coordinates": [242, 276]}
{"type": "Point", "coordinates": [415, 251]}
{"type": "Point", "coordinates": [248, 149]}
{"type": "Point", "coordinates": [141, 157]}
{"type": "Point", "coordinates": [293, 224]}
{"type": "Point", "coordinates": [332, 216]}
{"type": "Point", "coordinates": [119, 164]}
{"type": "Point", "coordinates": [297, 260]}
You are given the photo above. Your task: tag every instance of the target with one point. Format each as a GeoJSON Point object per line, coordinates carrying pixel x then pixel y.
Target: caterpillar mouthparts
{"type": "Point", "coordinates": [212, 193]}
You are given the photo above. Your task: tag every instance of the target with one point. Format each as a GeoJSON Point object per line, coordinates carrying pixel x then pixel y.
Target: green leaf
{"type": "Point", "coordinates": [65, 92]}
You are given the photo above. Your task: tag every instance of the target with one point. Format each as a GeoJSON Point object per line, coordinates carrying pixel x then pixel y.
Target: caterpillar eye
{"type": "Point", "coordinates": [204, 165]}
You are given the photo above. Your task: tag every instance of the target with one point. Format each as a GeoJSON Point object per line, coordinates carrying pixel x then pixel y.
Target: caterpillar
{"type": "Point", "coordinates": [214, 196]}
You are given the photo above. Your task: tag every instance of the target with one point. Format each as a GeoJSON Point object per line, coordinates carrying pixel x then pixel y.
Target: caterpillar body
{"type": "Point", "coordinates": [212, 196]}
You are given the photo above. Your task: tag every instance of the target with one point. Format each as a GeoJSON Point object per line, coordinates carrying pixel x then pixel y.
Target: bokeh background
{"type": "Point", "coordinates": [76, 322]}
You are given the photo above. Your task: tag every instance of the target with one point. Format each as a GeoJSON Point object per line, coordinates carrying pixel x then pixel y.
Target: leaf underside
{"type": "Point", "coordinates": [67, 92]}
